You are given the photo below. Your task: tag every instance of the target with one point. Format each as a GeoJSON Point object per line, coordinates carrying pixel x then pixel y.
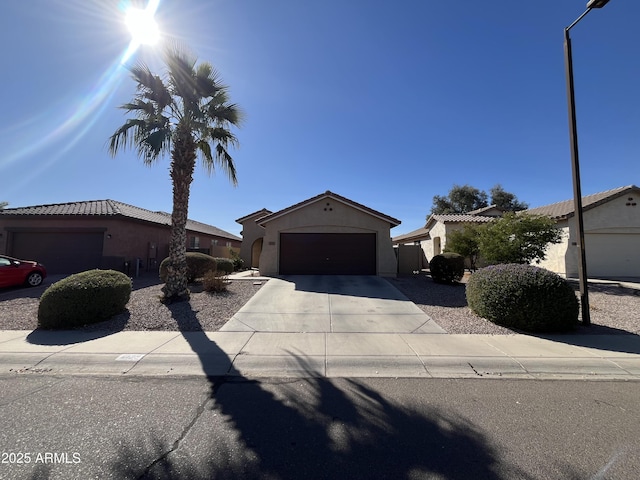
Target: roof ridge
{"type": "Point", "coordinates": [611, 191]}
{"type": "Point", "coordinates": [114, 204]}
{"type": "Point", "coordinates": [58, 203]}
{"type": "Point", "coordinates": [336, 196]}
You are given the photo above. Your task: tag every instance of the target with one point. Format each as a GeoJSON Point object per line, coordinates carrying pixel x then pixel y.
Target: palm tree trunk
{"type": "Point", "coordinates": [183, 158]}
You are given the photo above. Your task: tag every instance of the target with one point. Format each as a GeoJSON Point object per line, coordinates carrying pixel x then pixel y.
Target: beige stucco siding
{"type": "Point", "coordinates": [251, 232]}
{"type": "Point", "coordinates": [556, 255]}
{"type": "Point", "coordinates": [438, 233]}
{"type": "Point", "coordinates": [327, 215]}
{"type": "Point", "coordinates": [612, 242]}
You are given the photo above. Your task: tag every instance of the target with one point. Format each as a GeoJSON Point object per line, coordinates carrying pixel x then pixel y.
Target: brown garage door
{"type": "Point", "coordinates": [328, 253]}
{"type": "Point", "coordinates": [60, 252]}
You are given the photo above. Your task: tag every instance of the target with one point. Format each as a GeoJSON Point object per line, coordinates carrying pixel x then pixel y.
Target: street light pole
{"type": "Point", "coordinates": [575, 163]}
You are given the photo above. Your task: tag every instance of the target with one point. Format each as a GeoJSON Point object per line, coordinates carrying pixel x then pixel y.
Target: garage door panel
{"type": "Point", "coordinates": [613, 255]}
{"type": "Point", "coordinates": [328, 253]}
{"type": "Point", "coordinates": [60, 252]}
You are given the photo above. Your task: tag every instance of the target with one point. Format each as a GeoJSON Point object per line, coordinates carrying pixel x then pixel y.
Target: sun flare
{"type": "Point", "coordinates": [143, 27]}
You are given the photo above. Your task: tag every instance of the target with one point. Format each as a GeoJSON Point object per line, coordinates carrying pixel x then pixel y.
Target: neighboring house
{"type": "Point", "coordinates": [325, 234]}
{"type": "Point", "coordinates": [77, 236]}
{"type": "Point", "coordinates": [252, 235]}
{"type": "Point", "coordinates": [433, 236]}
{"type": "Point", "coordinates": [612, 234]}
{"type": "Point", "coordinates": [611, 225]}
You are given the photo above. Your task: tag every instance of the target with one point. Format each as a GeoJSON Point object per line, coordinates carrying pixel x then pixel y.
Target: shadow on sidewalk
{"type": "Point", "coordinates": [82, 334]}
{"type": "Point", "coordinates": [312, 428]}
{"type": "Point", "coordinates": [598, 337]}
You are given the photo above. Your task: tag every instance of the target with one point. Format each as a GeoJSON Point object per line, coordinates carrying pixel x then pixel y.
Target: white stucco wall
{"type": "Point", "coordinates": [327, 215]}
{"type": "Point", "coordinates": [556, 254]}
{"type": "Point", "coordinates": [438, 230]}
{"type": "Point", "coordinates": [612, 242]}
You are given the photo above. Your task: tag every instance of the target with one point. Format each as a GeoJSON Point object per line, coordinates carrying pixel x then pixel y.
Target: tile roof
{"type": "Point", "coordinates": [112, 208]}
{"type": "Point", "coordinates": [565, 209]}
{"type": "Point", "coordinates": [328, 194]}
{"type": "Point", "coordinates": [460, 218]}
{"type": "Point", "coordinates": [420, 233]}
{"type": "Point", "coordinates": [485, 209]}
{"type": "Point", "coordinates": [258, 215]}
{"type": "Point", "coordinates": [471, 217]}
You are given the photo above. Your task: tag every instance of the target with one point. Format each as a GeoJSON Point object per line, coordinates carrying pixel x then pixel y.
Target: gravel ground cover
{"type": "Point", "coordinates": [614, 310]}
{"type": "Point", "coordinates": [204, 311]}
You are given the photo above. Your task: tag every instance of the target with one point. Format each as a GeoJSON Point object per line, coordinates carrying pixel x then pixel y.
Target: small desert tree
{"type": "Point", "coordinates": [517, 238]}
{"type": "Point", "coordinates": [465, 242]}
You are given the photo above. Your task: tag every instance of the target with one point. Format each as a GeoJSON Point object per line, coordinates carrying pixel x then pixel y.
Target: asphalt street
{"type": "Point", "coordinates": [79, 427]}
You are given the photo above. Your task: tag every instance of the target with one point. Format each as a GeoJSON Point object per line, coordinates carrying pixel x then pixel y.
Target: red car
{"type": "Point", "coordinates": [20, 272]}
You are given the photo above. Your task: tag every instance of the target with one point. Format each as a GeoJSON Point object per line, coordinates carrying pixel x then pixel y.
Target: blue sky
{"type": "Point", "coordinates": [387, 103]}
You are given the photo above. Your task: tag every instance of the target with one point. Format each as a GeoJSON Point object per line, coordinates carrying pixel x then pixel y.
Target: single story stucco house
{"type": "Point", "coordinates": [325, 234]}
{"type": "Point", "coordinates": [612, 234]}
{"type": "Point", "coordinates": [611, 224]}
{"type": "Point", "coordinates": [433, 236]}
{"type": "Point", "coordinates": [77, 236]}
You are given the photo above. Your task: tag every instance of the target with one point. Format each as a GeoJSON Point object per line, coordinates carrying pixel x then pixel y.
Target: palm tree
{"type": "Point", "coordinates": [186, 112]}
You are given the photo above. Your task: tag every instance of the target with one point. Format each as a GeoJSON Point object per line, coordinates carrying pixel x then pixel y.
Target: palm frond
{"type": "Point", "coordinates": [218, 157]}
{"type": "Point", "coordinates": [152, 145]}
{"type": "Point", "coordinates": [181, 70]}
{"type": "Point", "coordinates": [222, 136]}
{"type": "Point", "coordinates": [190, 97]}
{"type": "Point", "coordinates": [208, 81]}
{"type": "Point", "coordinates": [224, 113]}
{"type": "Point", "coordinates": [224, 160]}
{"type": "Point", "coordinates": [144, 108]}
{"type": "Point", "coordinates": [125, 136]}
{"type": "Point", "coordinates": [150, 86]}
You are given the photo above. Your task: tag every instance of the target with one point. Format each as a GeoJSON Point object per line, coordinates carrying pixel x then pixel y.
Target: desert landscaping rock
{"type": "Point", "coordinates": [614, 310]}
{"type": "Point", "coordinates": [206, 311]}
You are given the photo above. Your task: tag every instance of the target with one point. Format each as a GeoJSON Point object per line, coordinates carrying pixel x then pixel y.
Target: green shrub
{"type": "Point", "coordinates": [238, 262]}
{"type": "Point", "coordinates": [225, 265]}
{"type": "Point", "coordinates": [215, 281]}
{"type": "Point", "coordinates": [197, 265]}
{"type": "Point", "coordinates": [524, 297]}
{"type": "Point", "coordinates": [447, 267]}
{"type": "Point", "coordinates": [83, 298]}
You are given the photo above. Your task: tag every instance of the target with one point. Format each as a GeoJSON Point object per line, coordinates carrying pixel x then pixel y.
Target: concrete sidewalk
{"type": "Point", "coordinates": [340, 354]}
{"type": "Point", "coordinates": [323, 326]}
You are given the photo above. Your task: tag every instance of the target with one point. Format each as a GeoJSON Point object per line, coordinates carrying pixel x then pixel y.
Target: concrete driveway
{"type": "Point", "coordinates": [330, 303]}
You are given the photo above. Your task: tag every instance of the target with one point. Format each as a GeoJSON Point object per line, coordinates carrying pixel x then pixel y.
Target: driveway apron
{"type": "Point", "coordinates": [330, 303]}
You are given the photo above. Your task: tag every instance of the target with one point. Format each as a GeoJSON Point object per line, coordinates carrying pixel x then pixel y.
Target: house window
{"type": "Point", "coordinates": [195, 242]}
{"type": "Point", "coordinates": [228, 244]}
{"type": "Point", "coordinates": [214, 242]}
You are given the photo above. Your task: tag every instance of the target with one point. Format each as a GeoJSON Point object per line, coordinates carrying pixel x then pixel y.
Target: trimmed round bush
{"type": "Point", "coordinates": [84, 298]}
{"type": "Point", "coordinates": [225, 265]}
{"type": "Point", "coordinates": [197, 265]}
{"type": "Point", "coordinates": [447, 267]}
{"type": "Point", "coordinates": [523, 297]}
